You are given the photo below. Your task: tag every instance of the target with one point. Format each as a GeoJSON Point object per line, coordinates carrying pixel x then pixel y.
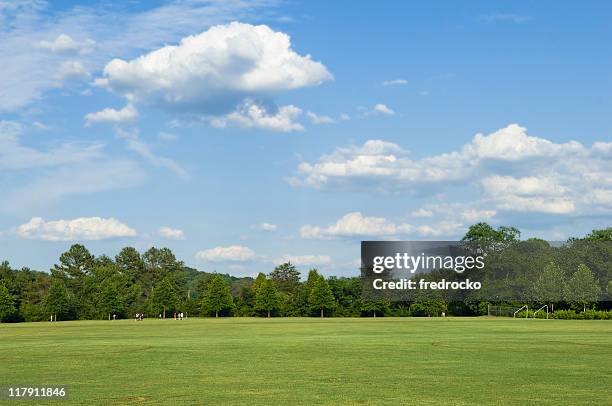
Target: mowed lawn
{"type": "Point", "coordinates": [423, 361]}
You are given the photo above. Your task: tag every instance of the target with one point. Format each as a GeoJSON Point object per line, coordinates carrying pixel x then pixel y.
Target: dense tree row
{"type": "Point", "coordinates": [82, 286]}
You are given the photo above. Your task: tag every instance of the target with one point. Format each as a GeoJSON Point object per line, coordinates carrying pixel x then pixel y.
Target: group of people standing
{"type": "Point", "coordinates": [139, 316]}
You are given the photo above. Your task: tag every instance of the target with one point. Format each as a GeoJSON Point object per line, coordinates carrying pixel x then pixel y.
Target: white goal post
{"type": "Point", "coordinates": [506, 311]}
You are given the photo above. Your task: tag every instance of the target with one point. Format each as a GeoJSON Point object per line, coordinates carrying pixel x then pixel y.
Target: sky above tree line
{"type": "Point", "coordinates": [246, 134]}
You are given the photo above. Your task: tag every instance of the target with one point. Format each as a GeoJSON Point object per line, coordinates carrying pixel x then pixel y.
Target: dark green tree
{"type": "Point", "coordinates": [58, 302]}
{"type": "Point", "coordinates": [109, 300]}
{"type": "Point", "coordinates": [487, 238]}
{"type": "Point", "coordinates": [286, 276]}
{"type": "Point", "coordinates": [321, 297]}
{"type": "Point", "coordinates": [7, 302]}
{"type": "Point", "coordinates": [217, 296]}
{"type": "Point", "coordinates": [600, 235]}
{"type": "Point", "coordinates": [130, 263]}
{"type": "Point", "coordinates": [375, 307]}
{"type": "Point", "coordinates": [267, 298]}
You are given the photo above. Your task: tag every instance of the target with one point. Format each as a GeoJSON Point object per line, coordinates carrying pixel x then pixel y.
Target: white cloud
{"type": "Point", "coordinates": [395, 82]}
{"type": "Point", "coordinates": [268, 227]}
{"type": "Point", "coordinates": [356, 225]}
{"type": "Point", "coordinates": [505, 17]}
{"type": "Point", "coordinates": [444, 228]}
{"type": "Point", "coordinates": [382, 109]}
{"type": "Point", "coordinates": [304, 259]}
{"type": "Point", "coordinates": [171, 233]}
{"type": "Point", "coordinates": [127, 114]}
{"type": "Point", "coordinates": [344, 117]}
{"type": "Point", "coordinates": [232, 253]}
{"type": "Point", "coordinates": [516, 171]}
{"type": "Point", "coordinates": [353, 225]}
{"type": "Point", "coordinates": [215, 70]}
{"type": "Point", "coordinates": [35, 42]}
{"type": "Point", "coordinates": [64, 43]}
{"type": "Point", "coordinates": [475, 215]}
{"type": "Point", "coordinates": [73, 70]}
{"type": "Point", "coordinates": [317, 119]}
{"type": "Point", "coordinates": [79, 229]}
{"type": "Point", "coordinates": [420, 213]}
{"type": "Point", "coordinates": [251, 115]}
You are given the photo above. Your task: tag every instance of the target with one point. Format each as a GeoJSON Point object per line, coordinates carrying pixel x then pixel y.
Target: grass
{"type": "Point", "coordinates": [459, 361]}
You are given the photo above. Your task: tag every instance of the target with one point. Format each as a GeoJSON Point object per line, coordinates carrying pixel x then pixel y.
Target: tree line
{"type": "Point", "coordinates": [156, 283]}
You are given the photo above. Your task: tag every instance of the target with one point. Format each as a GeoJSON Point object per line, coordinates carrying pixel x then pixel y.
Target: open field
{"type": "Point", "coordinates": [312, 361]}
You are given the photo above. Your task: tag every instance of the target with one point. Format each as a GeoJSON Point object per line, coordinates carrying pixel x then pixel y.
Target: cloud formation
{"type": "Point", "coordinates": [232, 253]}
{"type": "Point", "coordinates": [319, 119]}
{"type": "Point", "coordinates": [109, 115]}
{"type": "Point", "coordinates": [79, 229]}
{"type": "Point", "coordinates": [383, 109]}
{"type": "Point", "coordinates": [64, 43]}
{"type": "Point", "coordinates": [36, 43]}
{"type": "Point", "coordinates": [268, 227]}
{"type": "Point", "coordinates": [214, 70]}
{"type": "Point", "coordinates": [171, 233]}
{"type": "Point", "coordinates": [395, 82]}
{"type": "Point", "coordinates": [355, 225]}
{"type": "Point", "coordinates": [514, 171]}
{"type": "Point", "coordinates": [304, 259]}
{"type": "Point", "coordinates": [252, 115]}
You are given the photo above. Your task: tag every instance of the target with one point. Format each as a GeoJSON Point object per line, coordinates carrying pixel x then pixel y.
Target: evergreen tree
{"type": "Point", "coordinates": [267, 298]}
{"type": "Point", "coordinates": [164, 296]}
{"type": "Point", "coordinates": [217, 296]}
{"type": "Point", "coordinates": [550, 285]}
{"type": "Point", "coordinates": [321, 297]}
{"type": "Point", "coordinates": [582, 289]}
{"type": "Point", "coordinates": [259, 281]}
{"type": "Point", "coordinates": [58, 302]}
{"type": "Point", "coordinates": [375, 307]}
{"type": "Point", "coordinates": [286, 276]}
{"type": "Point", "coordinates": [109, 300]}
{"type": "Point", "coordinates": [7, 302]}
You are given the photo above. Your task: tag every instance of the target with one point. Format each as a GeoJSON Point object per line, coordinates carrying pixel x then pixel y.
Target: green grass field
{"type": "Point", "coordinates": [311, 361]}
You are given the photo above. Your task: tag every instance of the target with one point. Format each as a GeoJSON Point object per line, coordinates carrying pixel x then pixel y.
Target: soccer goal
{"type": "Point", "coordinates": [507, 311]}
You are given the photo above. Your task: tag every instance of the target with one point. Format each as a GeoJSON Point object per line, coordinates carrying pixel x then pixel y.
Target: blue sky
{"type": "Point", "coordinates": [294, 130]}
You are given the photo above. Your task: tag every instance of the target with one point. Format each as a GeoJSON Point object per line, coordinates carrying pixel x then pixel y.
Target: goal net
{"type": "Point", "coordinates": [506, 311]}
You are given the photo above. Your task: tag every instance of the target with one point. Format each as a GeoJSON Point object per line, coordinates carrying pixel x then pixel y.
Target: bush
{"type": "Point", "coordinates": [586, 315]}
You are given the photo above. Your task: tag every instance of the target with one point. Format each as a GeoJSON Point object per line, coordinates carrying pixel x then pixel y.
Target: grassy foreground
{"type": "Point", "coordinates": [310, 361]}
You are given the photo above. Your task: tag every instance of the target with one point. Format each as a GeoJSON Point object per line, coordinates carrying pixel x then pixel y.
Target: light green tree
{"type": "Point", "coordinates": [217, 296]}
{"type": "Point", "coordinates": [549, 287]}
{"type": "Point", "coordinates": [164, 296]}
{"type": "Point", "coordinates": [582, 288]}
{"type": "Point", "coordinates": [320, 297]}
{"type": "Point", "coordinates": [267, 298]}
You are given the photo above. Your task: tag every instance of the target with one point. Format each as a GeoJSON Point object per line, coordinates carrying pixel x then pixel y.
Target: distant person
{"type": "Point", "coordinates": [114, 316]}
{"type": "Point", "coordinates": [160, 316]}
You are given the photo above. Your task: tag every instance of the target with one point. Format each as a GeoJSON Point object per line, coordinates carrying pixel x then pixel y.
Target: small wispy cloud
{"type": "Point", "coordinates": [505, 17]}
{"type": "Point", "coordinates": [395, 82]}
